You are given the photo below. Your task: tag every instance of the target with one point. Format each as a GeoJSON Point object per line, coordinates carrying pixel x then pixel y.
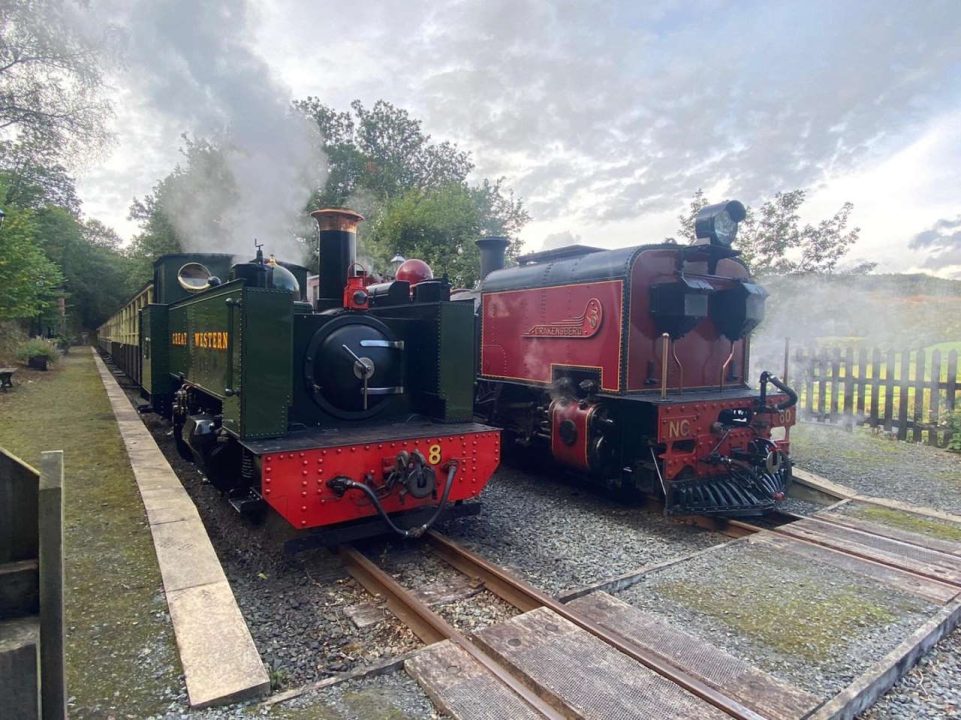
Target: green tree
{"type": "Point", "coordinates": [773, 240]}
{"type": "Point", "coordinates": [414, 192]}
{"type": "Point", "coordinates": [95, 274]}
{"type": "Point", "coordinates": [50, 79]}
{"type": "Point", "coordinates": [438, 225]}
{"type": "Point", "coordinates": [36, 178]}
{"type": "Point", "coordinates": [28, 278]}
{"type": "Point", "coordinates": [381, 151]}
{"type": "Point", "coordinates": [65, 255]}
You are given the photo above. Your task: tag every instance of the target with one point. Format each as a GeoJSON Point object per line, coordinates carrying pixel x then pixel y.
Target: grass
{"type": "Point", "coordinates": [121, 655]}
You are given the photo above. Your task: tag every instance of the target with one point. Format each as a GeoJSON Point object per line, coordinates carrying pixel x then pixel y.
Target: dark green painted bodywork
{"type": "Point", "coordinates": [207, 368]}
{"type": "Point", "coordinates": [167, 289]}
{"type": "Point", "coordinates": [253, 376]}
{"type": "Point", "coordinates": [155, 337]}
{"type": "Point", "coordinates": [440, 356]}
{"type": "Point", "coordinates": [250, 376]}
{"type": "Point", "coordinates": [266, 334]}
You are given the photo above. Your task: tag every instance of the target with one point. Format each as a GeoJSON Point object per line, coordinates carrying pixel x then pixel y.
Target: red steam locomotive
{"type": "Point", "coordinates": [630, 365]}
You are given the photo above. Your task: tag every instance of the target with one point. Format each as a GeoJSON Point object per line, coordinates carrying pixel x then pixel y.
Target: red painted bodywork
{"type": "Point", "coordinates": [295, 483]}
{"type": "Point", "coordinates": [526, 333]}
{"type": "Point", "coordinates": [702, 351]}
{"type": "Point", "coordinates": [576, 454]}
{"type": "Point", "coordinates": [685, 429]}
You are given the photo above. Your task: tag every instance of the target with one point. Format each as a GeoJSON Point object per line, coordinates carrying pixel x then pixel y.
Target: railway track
{"type": "Point", "coordinates": [431, 628]}
{"type": "Point", "coordinates": [696, 679]}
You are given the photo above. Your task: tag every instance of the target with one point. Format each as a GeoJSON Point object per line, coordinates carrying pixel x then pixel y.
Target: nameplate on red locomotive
{"type": "Point", "coordinates": [584, 325]}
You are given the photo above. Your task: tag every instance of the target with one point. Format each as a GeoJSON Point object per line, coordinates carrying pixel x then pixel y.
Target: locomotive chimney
{"type": "Point", "coordinates": [337, 251]}
{"type": "Point", "coordinates": [492, 254]}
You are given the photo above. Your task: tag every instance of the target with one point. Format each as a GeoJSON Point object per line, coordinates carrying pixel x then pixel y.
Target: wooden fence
{"type": "Point", "coordinates": [31, 589]}
{"type": "Point", "coordinates": [909, 393]}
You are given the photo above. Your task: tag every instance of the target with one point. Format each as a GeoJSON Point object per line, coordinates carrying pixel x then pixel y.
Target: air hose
{"type": "Point", "coordinates": [792, 398]}
{"type": "Point", "coordinates": [342, 484]}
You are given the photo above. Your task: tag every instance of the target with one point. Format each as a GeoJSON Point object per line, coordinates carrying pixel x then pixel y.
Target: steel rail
{"type": "Point", "coordinates": [525, 597]}
{"type": "Point", "coordinates": [431, 627]}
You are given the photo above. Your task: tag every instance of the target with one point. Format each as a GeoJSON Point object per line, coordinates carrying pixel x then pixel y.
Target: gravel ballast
{"type": "Point", "coordinates": [559, 534]}
{"type": "Point", "coordinates": [555, 533]}
{"type": "Point", "coordinates": [874, 465]}
{"type": "Point", "coordinates": [391, 696]}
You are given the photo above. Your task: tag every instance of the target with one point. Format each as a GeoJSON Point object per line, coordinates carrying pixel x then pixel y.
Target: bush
{"type": "Point", "coordinates": [11, 337]}
{"type": "Point", "coordinates": [37, 347]}
{"type": "Point", "coordinates": [63, 343]}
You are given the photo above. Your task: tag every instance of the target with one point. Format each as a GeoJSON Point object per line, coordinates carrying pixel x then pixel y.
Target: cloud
{"type": "Point", "coordinates": [603, 114]}
{"type": "Point", "coordinates": [941, 244]}
{"type": "Point", "coordinates": [627, 108]}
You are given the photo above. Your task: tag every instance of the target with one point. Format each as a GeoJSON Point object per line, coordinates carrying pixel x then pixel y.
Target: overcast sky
{"type": "Point", "coordinates": [603, 116]}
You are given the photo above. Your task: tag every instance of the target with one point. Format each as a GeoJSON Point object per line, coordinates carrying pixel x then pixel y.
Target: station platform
{"type": "Point", "coordinates": [220, 661]}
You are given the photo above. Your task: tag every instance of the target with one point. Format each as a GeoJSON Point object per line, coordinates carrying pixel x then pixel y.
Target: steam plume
{"type": "Point", "coordinates": [193, 64]}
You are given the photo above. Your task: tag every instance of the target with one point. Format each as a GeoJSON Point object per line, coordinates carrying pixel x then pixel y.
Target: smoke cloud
{"type": "Point", "coordinates": [192, 66]}
{"type": "Point", "coordinates": [888, 312]}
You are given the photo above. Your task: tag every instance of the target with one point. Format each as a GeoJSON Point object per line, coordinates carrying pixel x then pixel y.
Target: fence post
{"type": "Point", "coordinates": [862, 383]}
{"type": "Point", "coordinates": [849, 383]}
{"type": "Point", "coordinates": [875, 387]}
{"type": "Point", "coordinates": [934, 414]}
{"type": "Point", "coordinates": [806, 362]}
{"type": "Point", "coordinates": [822, 383]}
{"type": "Point", "coordinates": [50, 514]}
{"type": "Point", "coordinates": [952, 388]}
{"type": "Point", "coordinates": [835, 374]}
{"type": "Point", "coordinates": [918, 394]}
{"type": "Point", "coordinates": [889, 391]}
{"type": "Point", "coordinates": [903, 383]}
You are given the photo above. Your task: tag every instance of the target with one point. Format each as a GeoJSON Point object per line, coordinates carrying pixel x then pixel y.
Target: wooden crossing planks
{"type": "Point", "coordinates": [462, 687]}
{"type": "Point", "coordinates": [877, 546]}
{"type": "Point", "coordinates": [585, 677]}
{"type": "Point", "coordinates": [754, 688]}
{"type": "Point", "coordinates": [932, 590]}
{"type": "Point", "coordinates": [948, 547]}
{"type": "Point", "coordinates": [575, 669]}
